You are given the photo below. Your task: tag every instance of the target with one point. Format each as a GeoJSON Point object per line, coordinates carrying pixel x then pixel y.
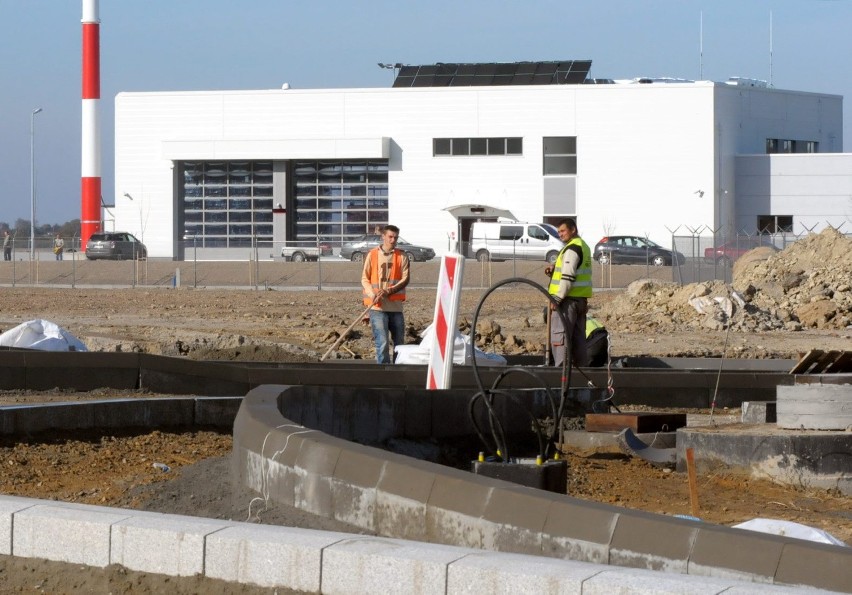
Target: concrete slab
{"type": "Point", "coordinates": [654, 542]}
{"type": "Point", "coordinates": [815, 407]}
{"type": "Point", "coordinates": [742, 555]}
{"type": "Point", "coordinates": [269, 556]}
{"type": "Point", "coordinates": [810, 458]}
{"type": "Point", "coordinates": [375, 565]}
{"type": "Point", "coordinates": [517, 574]}
{"type": "Point", "coordinates": [758, 412]}
{"type": "Point", "coordinates": [65, 534]}
{"type": "Point", "coordinates": [164, 544]}
{"type": "Point", "coordinates": [9, 506]}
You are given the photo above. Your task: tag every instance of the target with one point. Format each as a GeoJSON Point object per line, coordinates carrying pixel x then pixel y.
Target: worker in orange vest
{"type": "Point", "coordinates": [383, 280]}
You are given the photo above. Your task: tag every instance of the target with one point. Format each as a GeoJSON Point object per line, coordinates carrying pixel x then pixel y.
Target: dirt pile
{"type": "Point", "coordinates": [807, 285]}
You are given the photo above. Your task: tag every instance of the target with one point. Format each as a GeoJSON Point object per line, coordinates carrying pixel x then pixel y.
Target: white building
{"type": "Point", "coordinates": [641, 158]}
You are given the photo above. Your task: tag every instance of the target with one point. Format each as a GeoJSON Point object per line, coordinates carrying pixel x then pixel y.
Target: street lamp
{"type": "Point", "coordinates": [32, 183]}
{"type": "Point", "coordinates": [395, 67]}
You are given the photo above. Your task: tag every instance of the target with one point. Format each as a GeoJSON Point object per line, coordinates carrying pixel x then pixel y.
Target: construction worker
{"type": "Point", "coordinates": [597, 343]}
{"type": "Point", "coordinates": [570, 287]}
{"type": "Point", "coordinates": [383, 279]}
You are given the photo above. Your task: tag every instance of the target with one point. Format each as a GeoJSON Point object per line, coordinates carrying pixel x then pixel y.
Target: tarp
{"type": "Point", "coordinates": [43, 335]}
{"type": "Point", "coordinates": [789, 529]}
{"type": "Point", "coordinates": [419, 354]}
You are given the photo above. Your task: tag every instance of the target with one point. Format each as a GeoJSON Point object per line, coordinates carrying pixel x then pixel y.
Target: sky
{"type": "Point", "coordinates": [188, 45]}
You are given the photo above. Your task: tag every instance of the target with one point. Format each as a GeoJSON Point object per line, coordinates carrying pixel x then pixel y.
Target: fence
{"type": "Point", "coordinates": [297, 265]}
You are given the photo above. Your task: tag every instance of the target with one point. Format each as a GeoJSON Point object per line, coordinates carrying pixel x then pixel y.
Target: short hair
{"type": "Point", "coordinates": [568, 222]}
{"type": "Point", "coordinates": [392, 228]}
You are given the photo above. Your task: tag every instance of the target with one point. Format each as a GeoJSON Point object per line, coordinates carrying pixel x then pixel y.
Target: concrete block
{"type": "Point", "coordinates": [655, 542]}
{"type": "Point", "coordinates": [815, 407]}
{"type": "Point", "coordinates": [9, 505]}
{"type": "Point", "coordinates": [578, 530]}
{"type": "Point", "coordinates": [758, 412]}
{"type": "Point", "coordinates": [737, 554]}
{"type": "Point", "coordinates": [816, 565]}
{"type": "Point", "coordinates": [26, 419]}
{"type": "Point", "coordinates": [656, 583]}
{"type": "Point", "coordinates": [455, 506]}
{"type": "Point", "coordinates": [353, 489]}
{"type": "Point", "coordinates": [375, 565]}
{"type": "Point", "coordinates": [164, 544]}
{"type": "Point", "coordinates": [401, 497]}
{"type": "Point", "coordinates": [314, 467]}
{"type": "Point", "coordinates": [516, 574]}
{"type": "Point", "coordinates": [513, 520]}
{"type": "Point", "coordinates": [269, 556]}
{"type": "Point", "coordinates": [550, 475]}
{"type": "Point", "coordinates": [217, 411]}
{"type": "Point", "coordinates": [145, 413]}
{"type": "Point", "coordinates": [64, 534]}
{"type": "Point", "coordinates": [418, 414]}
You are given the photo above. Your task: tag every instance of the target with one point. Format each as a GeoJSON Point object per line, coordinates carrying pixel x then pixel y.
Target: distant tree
{"type": "Point", "coordinates": [70, 229]}
{"type": "Point", "coordinates": [22, 226]}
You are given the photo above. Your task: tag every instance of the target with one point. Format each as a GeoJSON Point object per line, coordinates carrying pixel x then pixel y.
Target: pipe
{"type": "Point", "coordinates": [90, 187]}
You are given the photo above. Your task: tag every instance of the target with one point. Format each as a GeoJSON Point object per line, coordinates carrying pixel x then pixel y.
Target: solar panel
{"type": "Point", "coordinates": [451, 74]}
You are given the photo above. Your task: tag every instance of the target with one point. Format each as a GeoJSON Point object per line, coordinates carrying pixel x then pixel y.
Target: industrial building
{"type": "Point", "coordinates": [449, 144]}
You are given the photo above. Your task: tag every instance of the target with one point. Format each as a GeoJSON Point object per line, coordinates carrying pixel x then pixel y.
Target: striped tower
{"type": "Point", "coordinates": [90, 214]}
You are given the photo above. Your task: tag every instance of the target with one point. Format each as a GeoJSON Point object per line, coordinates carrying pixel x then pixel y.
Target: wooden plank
{"type": "Point", "coordinates": [841, 365]}
{"type": "Point", "coordinates": [640, 423]}
{"type": "Point", "coordinates": [806, 361]}
{"type": "Point", "coordinates": [824, 361]}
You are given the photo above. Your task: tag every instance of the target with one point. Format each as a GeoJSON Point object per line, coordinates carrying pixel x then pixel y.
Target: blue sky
{"type": "Point", "coordinates": [155, 45]}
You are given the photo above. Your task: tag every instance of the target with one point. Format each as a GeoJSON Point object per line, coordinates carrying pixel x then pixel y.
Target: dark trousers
{"type": "Point", "coordinates": [574, 334]}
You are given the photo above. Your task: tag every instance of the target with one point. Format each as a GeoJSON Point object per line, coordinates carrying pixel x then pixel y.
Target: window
{"type": "Point", "coordinates": [767, 224]}
{"type": "Point", "coordinates": [458, 147]}
{"type": "Point", "coordinates": [560, 155]}
{"type": "Point", "coordinates": [217, 193]}
{"type": "Point", "coordinates": [780, 145]}
{"type": "Point", "coordinates": [511, 232]}
{"type": "Point", "coordinates": [337, 200]}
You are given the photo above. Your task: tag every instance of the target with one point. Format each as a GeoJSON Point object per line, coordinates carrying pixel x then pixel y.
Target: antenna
{"type": "Point", "coordinates": [701, 46]}
{"type": "Point", "coordinates": [770, 48]}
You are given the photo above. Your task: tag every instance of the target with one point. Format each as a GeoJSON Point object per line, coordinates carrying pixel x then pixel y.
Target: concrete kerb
{"type": "Point", "coordinates": [453, 507]}
{"type": "Point", "coordinates": [334, 562]}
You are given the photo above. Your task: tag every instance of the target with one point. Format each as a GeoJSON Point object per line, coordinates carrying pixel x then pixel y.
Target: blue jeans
{"type": "Point", "coordinates": [382, 323]}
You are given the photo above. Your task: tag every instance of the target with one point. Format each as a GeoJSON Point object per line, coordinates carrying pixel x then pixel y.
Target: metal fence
{"type": "Point", "coordinates": [297, 265]}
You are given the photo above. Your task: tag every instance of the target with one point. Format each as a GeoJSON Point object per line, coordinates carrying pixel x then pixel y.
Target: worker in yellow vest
{"type": "Point", "coordinates": [383, 280]}
{"type": "Point", "coordinates": [570, 287]}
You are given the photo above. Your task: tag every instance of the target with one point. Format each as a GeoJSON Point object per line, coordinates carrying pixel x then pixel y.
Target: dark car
{"type": "Point", "coordinates": [634, 250]}
{"type": "Point", "coordinates": [115, 245]}
{"type": "Point", "coordinates": [357, 249]}
{"type": "Point", "coordinates": [728, 252]}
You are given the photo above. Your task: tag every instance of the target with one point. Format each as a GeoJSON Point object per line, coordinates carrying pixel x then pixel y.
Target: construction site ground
{"type": "Point", "coordinates": [646, 319]}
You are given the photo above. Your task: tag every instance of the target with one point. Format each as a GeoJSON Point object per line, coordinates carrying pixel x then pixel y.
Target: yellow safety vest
{"type": "Point", "coordinates": [582, 286]}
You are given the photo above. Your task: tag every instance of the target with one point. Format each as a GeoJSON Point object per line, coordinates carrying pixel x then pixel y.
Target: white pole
{"type": "Point", "coordinates": [32, 183]}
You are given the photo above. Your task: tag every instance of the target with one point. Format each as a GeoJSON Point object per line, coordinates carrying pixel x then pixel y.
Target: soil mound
{"type": "Point", "coordinates": [806, 285]}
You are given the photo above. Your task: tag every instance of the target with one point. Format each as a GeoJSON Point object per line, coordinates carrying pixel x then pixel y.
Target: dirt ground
{"type": "Point", "coordinates": [118, 469]}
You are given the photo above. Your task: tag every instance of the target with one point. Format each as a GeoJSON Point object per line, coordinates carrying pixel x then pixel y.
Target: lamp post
{"type": "Point", "coordinates": [394, 67]}
{"type": "Point", "coordinates": [32, 183]}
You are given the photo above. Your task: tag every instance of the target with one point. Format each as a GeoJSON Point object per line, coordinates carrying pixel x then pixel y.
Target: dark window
{"type": "Point", "coordinates": [767, 224]}
{"type": "Point", "coordinates": [560, 155]}
{"type": "Point", "coordinates": [511, 232]}
{"type": "Point", "coordinates": [459, 147]}
{"type": "Point", "coordinates": [441, 146]}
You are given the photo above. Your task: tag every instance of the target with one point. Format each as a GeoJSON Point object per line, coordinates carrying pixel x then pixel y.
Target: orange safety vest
{"type": "Point", "coordinates": [394, 277]}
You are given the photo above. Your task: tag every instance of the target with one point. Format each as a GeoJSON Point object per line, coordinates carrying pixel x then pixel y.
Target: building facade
{"type": "Point", "coordinates": [226, 169]}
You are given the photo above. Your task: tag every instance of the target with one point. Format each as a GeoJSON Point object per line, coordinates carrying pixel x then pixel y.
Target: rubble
{"type": "Point", "coordinates": [807, 285]}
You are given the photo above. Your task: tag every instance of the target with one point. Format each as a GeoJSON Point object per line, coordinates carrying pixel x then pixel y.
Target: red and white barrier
{"type": "Point", "coordinates": [439, 373]}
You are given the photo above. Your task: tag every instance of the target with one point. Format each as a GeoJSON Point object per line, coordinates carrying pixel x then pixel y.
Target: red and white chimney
{"type": "Point", "coordinates": [90, 214]}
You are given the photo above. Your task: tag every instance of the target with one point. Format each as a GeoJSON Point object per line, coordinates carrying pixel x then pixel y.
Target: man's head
{"type": "Point", "coordinates": [567, 229]}
{"type": "Point", "coordinates": [390, 235]}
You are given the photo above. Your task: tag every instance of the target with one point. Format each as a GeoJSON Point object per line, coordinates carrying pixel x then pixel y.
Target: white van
{"type": "Point", "coordinates": [500, 240]}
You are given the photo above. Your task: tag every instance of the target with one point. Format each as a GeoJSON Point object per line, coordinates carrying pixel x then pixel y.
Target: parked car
{"type": "Point", "coordinates": [301, 251]}
{"type": "Point", "coordinates": [356, 249]}
{"type": "Point", "coordinates": [634, 250]}
{"type": "Point", "coordinates": [728, 252]}
{"type": "Point", "coordinates": [115, 245]}
{"type": "Point", "coordinates": [493, 240]}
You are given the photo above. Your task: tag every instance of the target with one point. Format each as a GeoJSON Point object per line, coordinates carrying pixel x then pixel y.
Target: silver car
{"type": "Point", "coordinates": [357, 249]}
{"type": "Point", "coordinates": [115, 245]}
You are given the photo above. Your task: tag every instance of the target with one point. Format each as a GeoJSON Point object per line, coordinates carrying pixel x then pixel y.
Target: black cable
{"type": "Point", "coordinates": [487, 395]}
